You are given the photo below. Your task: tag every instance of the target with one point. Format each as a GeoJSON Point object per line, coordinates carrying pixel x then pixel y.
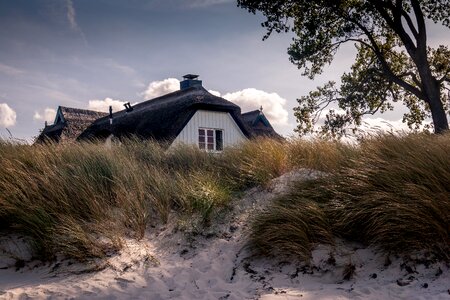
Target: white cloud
{"type": "Point", "coordinates": [47, 115]}
{"type": "Point", "coordinates": [103, 105]}
{"type": "Point", "coordinates": [373, 125]}
{"type": "Point", "coordinates": [8, 70]}
{"type": "Point", "coordinates": [206, 3]}
{"type": "Point", "coordinates": [7, 115]}
{"type": "Point", "coordinates": [251, 99]}
{"type": "Point", "coordinates": [215, 93]}
{"type": "Point", "coordinates": [247, 99]}
{"type": "Point", "coordinates": [71, 17]}
{"type": "Point", "coordinates": [370, 125]}
{"type": "Point", "coordinates": [127, 70]}
{"type": "Point", "coordinates": [159, 88]}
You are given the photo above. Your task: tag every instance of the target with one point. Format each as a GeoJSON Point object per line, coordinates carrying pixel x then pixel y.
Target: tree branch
{"type": "Point", "coordinates": [387, 70]}
{"type": "Point", "coordinates": [444, 78]}
{"type": "Point", "coordinates": [413, 76]}
{"type": "Point", "coordinates": [353, 40]}
{"type": "Point", "coordinates": [422, 39]}
{"type": "Point", "coordinates": [396, 23]}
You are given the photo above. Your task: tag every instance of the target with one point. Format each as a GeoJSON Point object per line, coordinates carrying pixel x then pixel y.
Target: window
{"type": "Point", "coordinates": [210, 139]}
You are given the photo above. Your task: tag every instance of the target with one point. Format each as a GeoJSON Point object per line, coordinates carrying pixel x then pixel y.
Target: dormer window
{"type": "Point", "coordinates": [210, 139]}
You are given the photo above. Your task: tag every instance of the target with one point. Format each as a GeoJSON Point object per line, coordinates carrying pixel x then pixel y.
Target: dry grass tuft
{"type": "Point", "coordinates": [292, 225]}
{"type": "Point", "coordinates": [397, 196]}
{"type": "Point", "coordinates": [393, 192]}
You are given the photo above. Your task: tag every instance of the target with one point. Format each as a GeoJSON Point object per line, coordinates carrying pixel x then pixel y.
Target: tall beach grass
{"type": "Point", "coordinates": [81, 199]}
{"type": "Point", "coordinates": [393, 193]}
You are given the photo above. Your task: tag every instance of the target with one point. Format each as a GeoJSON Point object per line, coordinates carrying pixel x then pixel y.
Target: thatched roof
{"type": "Point", "coordinates": [259, 125]}
{"type": "Point", "coordinates": [69, 124]}
{"type": "Point", "coordinates": [164, 117]}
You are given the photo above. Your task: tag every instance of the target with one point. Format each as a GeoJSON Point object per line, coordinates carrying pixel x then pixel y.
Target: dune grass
{"type": "Point", "coordinates": [291, 226]}
{"type": "Point", "coordinates": [394, 193]}
{"type": "Point", "coordinates": [397, 196]}
{"type": "Point", "coordinates": [81, 199]}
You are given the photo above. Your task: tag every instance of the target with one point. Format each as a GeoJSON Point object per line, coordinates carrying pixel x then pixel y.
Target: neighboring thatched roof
{"type": "Point", "coordinates": [259, 125]}
{"type": "Point", "coordinates": [164, 117]}
{"type": "Point", "coordinates": [69, 124]}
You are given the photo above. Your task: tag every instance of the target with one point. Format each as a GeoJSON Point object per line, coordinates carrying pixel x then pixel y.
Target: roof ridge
{"type": "Point", "coordinates": [80, 109]}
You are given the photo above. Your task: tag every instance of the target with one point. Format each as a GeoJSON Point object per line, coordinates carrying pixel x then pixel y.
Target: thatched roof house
{"type": "Point", "coordinates": [191, 115]}
{"type": "Point", "coordinates": [69, 124]}
{"type": "Point", "coordinates": [163, 118]}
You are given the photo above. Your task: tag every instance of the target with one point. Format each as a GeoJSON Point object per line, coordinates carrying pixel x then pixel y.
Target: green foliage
{"type": "Point", "coordinates": [393, 61]}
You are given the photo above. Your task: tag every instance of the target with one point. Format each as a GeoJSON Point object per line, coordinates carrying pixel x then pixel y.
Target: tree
{"type": "Point", "coordinates": [393, 61]}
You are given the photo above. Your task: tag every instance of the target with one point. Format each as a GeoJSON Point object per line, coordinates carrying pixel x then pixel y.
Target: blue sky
{"type": "Point", "coordinates": [82, 53]}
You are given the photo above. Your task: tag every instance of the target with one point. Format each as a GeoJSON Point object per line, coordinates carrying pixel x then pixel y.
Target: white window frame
{"type": "Point", "coordinates": [205, 141]}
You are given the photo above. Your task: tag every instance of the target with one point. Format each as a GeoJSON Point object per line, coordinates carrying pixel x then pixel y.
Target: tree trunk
{"type": "Point", "coordinates": [437, 110]}
{"type": "Point", "coordinates": [432, 94]}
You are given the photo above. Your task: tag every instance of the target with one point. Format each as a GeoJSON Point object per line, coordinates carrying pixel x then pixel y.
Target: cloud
{"type": "Point", "coordinates": [127, 70]}
{"type": "Point", "coordinates": [247, 99]}
{"type": "Point", "coordinates": [103, 105]}
{"type": "Point", "coordinates": [7, 115]}
{"type": "Point", "coordinates": [71, 17]}
{"type": "Point", "coordinates": [374, 125]}
{"type": "Point", "coordinates": [159, 88]}
{"type": "Point", "coordinates": [8, 70]}
{"type": "Point", "coordinates": [251, 99]}
{"type": "Point", "coordinates": [206, 3]}
{"type": "Point", "coordinates": [47, 115]}
{"type": "Point", "coordinates": [371, 124]}
{"type": "Point", "coordinates": [215, 93]}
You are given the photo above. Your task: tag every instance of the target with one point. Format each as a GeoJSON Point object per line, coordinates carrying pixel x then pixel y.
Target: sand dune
{"type": "Point", "coordinates": [168, 264]}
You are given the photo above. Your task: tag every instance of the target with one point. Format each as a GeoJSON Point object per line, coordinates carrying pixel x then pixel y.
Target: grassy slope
{"type": "Point", "coordinates": [82, 199]}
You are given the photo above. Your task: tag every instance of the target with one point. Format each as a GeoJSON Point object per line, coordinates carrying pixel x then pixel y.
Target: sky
{"type": "Point", "coordinates": [92, 54]}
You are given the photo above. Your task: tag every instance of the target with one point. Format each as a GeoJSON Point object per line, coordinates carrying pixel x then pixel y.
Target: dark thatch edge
{"type": "Point", "coordinates": [259, 124]}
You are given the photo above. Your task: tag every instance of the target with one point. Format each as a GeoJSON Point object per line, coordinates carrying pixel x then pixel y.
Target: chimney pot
{"type": "Point", "coordinates": [190, 80]}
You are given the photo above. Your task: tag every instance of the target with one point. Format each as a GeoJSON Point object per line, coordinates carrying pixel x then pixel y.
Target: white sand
{"type": "Point", "coordinates": [167, 265]}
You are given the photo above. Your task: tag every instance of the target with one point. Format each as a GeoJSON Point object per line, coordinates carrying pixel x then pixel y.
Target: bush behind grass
{"type": "Point", "coordinates": [393, 194]}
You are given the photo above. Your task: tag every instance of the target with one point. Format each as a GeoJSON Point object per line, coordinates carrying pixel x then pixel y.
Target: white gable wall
{"type": "Point", "coordinates": [232, 134]}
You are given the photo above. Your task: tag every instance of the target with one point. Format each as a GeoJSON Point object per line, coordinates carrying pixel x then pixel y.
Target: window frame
{"type": "Point", "coordinates": [204, 143]}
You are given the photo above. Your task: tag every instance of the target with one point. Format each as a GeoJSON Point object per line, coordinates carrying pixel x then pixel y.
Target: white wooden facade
{"type": "Point", "coordinates": [232, 134]}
